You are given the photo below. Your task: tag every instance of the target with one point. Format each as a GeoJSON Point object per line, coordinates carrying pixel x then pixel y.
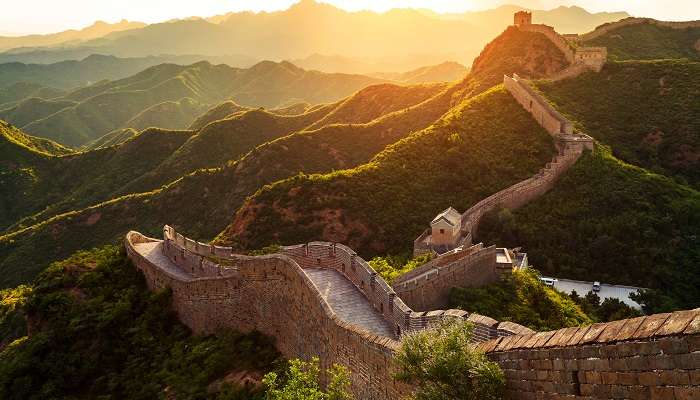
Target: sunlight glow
{"type": "Point", "coordinates": [44, 16]}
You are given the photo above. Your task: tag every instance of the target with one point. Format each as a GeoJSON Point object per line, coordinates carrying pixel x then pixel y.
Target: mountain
{"type": "Point", "coordinates": [381, 38]}
{"type": "Point", "coordinates": [197, 201]}
{"type": "Point", "coordinates": [648, 40]}
{"type": "Point", "coordinates": [12, 94]}
{"type": "Point", "coordinates": [93, 68]}
{"type": "Point", "coordinates": [32, 109]}
{"type": "Point", "coordinates": [367, 207]}
{"type": "Point", "coordinates": [445, 72]}
{"type": "Point", "coordinates": [653, 123]}
{"type": "Point", "coordinates": [106, 106]}
{"type": "Point", "coordinates": [168, 115]}
{"type": "Point", "coordinates": [96, 30]}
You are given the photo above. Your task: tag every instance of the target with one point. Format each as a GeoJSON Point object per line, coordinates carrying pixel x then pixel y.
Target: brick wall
{"type": "Point", "coordinates": [652, 357]}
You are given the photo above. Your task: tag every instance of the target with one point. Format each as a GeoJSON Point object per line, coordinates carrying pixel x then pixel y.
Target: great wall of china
{"type": "Point", "coordinates": [321, 299]}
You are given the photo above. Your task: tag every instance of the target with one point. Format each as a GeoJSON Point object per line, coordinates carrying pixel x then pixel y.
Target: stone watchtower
{"type": "Point", "coordinates": [523, 18]}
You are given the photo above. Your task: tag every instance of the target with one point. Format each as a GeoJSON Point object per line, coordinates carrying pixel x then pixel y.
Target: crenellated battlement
{"type": "Point", "coordinates": [317, 299]}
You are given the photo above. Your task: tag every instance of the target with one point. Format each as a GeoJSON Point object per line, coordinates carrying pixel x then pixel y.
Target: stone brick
{"type": "Point", "coordinates": [649, 378]}
{"type": "Point", "coordinates": [661, 393]}
{"type": "Point", "coordinates": [610, 331]}
{"type": "Point", "coordinates": [628, 329]}
{"type": "Point", "coordinates": [687, 393]}
{"type": "Point", "coordinates": [693, 343]}
{"type": "Point", "coordinates": [674, 345]}
{"type": "Point", "coordinates": [693, 327]}
{"type": "Point", "coordinates": [639, 392]}
{"type": "Point", "coordinates": [627, 378]}
{"type": "Point", "coordinates": [650, 325]}
{"type": "Point", "coordinates": [593, 332]}
{"type": "Point", "coordinates": [675, 377]}
{"type": "Point", "coordinates": [694, 377]}
{"type": "Point", "coordinates": [676, 323]}
{"type": "Point", "coordinates": [687, 361]}
{"type": "Point", "coordinates": [608, 378]}
{"type": "Point", "coordinates": [590, 377]}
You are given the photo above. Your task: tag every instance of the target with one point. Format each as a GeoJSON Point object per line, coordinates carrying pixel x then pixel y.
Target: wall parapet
{"type": "Point", "coordinates": [645, 357]}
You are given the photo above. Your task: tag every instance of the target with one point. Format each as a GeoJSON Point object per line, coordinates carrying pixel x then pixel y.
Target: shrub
{"type": "Point", "coordinates": [301, 382]}
{"type": "Point", "coordinates": [444, 365]}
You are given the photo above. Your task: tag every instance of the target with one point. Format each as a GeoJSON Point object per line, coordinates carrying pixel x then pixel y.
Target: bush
{"type": "Point", "coordinates": [522, 299]}
{"type": "Point", "coordinates": [301, 382]}
{"type": "Point", "coordinates": [444, 365]}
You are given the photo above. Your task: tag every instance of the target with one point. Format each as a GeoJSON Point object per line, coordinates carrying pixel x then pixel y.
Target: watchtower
{"type": "Point", "coordinates": [522, 18]}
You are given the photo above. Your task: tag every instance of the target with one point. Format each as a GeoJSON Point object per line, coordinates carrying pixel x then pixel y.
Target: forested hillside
{"type": "Point", "coordinates": [649, 41]}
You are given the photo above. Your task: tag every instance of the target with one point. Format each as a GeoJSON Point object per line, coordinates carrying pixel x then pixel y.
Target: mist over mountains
{"type": "Point", "coordinates": [397, 40]}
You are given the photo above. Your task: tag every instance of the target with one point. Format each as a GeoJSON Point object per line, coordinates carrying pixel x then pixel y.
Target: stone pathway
{"type": "Point", "coordinates": [348, 302]}
{"type": "Point", "coordinates": [153, 251]}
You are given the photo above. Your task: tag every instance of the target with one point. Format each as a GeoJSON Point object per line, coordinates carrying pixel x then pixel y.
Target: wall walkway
{"type": "Point", "coordinates": [317, 299]}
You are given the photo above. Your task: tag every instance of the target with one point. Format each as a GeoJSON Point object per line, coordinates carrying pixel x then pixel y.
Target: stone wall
{"type": "Point", "coordinates": [213, 288]}
{"type": "Point", "coordinates": [428, 287]}
{"type": "Point", "coordinates": [656, 356]}
{"type": "Point", "coordinates": [605, 28]}
{"type": "Point", "coordinates": [543, 112]}
{"type": "Point", "coordinates": [271, 294]}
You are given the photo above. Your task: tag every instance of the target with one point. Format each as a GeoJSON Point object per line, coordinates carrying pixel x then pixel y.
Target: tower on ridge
{"type": "Point", "coordinates": [522, 18]}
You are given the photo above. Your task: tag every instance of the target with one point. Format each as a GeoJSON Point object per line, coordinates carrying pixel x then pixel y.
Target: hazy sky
{"type": "Point", "coordinates": [43, 16]}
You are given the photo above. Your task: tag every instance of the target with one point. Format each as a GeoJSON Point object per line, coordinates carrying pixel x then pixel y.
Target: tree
{"type": "Point", "coordinates": [443, 365]}
{"type": "Point", "coordinates": [301, 382]}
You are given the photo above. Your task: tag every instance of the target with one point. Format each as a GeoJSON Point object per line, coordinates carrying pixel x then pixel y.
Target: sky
{"type": "Point", "coordinates": [45, 16]}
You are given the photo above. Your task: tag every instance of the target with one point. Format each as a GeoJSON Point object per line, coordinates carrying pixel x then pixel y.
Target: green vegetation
{"type": "Point", "coordinates": [608, 310]}
{"type": "Point", "coordinates": [157, 97]}
{"type": "Point", "coordinates": [168, 115]}
{"type": "Point", "coordinates": [221, 111]}
{"type": "Point", "coordinates": [444, 365]}
{"type": "Point", "coordinates": [199, 203]}
{"type": "Point", "coordinates": [113, 138]}
{"type": "Point", "coordinates": [50, 185]}
{"type": "Point", "coordinates": [612, 222]}
{"type": "Point", "coordinates": [380, 207]}
{"type": "Point", "coordinates": [31, 109]}
{"type": "Point", "coordinates": [649, 42]}
{"type": "Point", "coordinates": [97, 332]}
{"type": "Point", "coordinates": [391, 267]}
{"type": "Point", "coordinates": [301, 382]}
{"type": "Point", "coordinates": [12, 94]}
{"type": "Point", "coordinates": [522, 299]}
{"type": "Point", "coordinates": [649, 112]}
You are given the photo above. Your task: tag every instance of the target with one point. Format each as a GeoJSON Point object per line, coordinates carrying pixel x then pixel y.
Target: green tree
{"type": "Point", "coordinates": [301, 382]}
{"type": "Point", "coordinates": [444, 365]}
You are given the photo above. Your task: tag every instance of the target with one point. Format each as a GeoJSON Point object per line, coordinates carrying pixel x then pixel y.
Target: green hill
{"type": "Point", "coordinates": [148, 98]}
{"type": "Point", "coordinates": [649, 112]}
{"type": "Point", "coordinates": [59, 184]}
{"type": "Point", "coordinates": [89, 328]}
{"type": "Point", "coordinates": [32, 109]}
{"type": "Point", "coordinates": [221, 111]}
{"type": "Point", "coordinates": [383, 205]}
{"type": "Point", "coordinates": [11, 94]}
{"type": "Point", "coordinates": [200, 202]}
{"type": "Point", "coordinates": [115, 137]}
{"type": "Point", "coordinates": [168, 115]}
{"type": "Point", "coordinates": [611, 222]}
{"type": "Point", "coordinates": [649, 41]}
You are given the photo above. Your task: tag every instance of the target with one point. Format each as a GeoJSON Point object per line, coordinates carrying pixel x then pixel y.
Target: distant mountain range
{"type": "Point", "coordinates": [401, 38]}
{"type": "Point", "coordinates": [94, 31]}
